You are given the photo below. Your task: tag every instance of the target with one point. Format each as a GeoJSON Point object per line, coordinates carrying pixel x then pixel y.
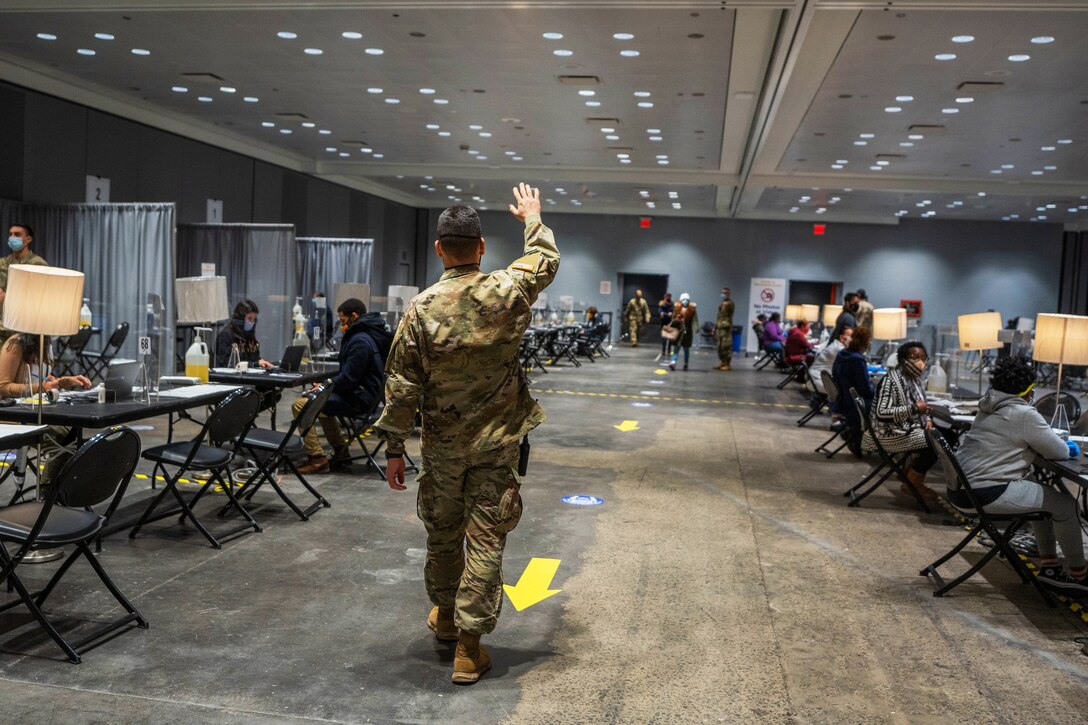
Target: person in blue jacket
{"type": "Point", "coordinates": [851, 370]}
{"type": "Point", "coordinates": [357, 388]}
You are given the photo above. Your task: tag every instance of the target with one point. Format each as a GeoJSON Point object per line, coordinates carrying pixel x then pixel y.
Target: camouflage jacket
{"type": "Point", "coordinates": [455, 356]}
{"type": "Point", "coordinates": [638, 309]}
{"type": "Point", "coordinates": [725, 314]}
{"type": "Point", "coordinates": [6, 262]}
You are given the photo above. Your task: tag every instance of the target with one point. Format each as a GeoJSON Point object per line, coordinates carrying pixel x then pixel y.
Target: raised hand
{"type": "Point", "coordinates": [528, 201]}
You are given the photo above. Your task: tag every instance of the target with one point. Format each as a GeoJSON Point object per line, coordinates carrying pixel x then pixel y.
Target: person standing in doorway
{"type": "Point", "coordinates": [637, 314]}
{"type": "Point", "coordinates": [864, 314]}
{"type": "Point", "coordinates": [724, 330]}
{"type": "Point", "coordinates": [455, 357]}
{"type": "Point", "coordinates": [19, 238]}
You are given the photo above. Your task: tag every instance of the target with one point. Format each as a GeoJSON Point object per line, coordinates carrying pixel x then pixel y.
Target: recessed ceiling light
{"type": "Point", "coordinates": [916, 137]}
{"type": "Point", "coordinates": [441, 101]}
{"type": "Point", "coordinates": [427, 91]}
{"type": "Point", "coordinates": [625, 161]}
{"type": "Point", "coordinates": [1047, 148]}
{"type": "Point", "coordinates": [251, 99]}
{"type": "Point", "coordinates": [841, 161]}
{"type": "Point", "coordinates": [308, 124]}
{"type": "Point", "coordinates": [85, 51]}
{"type": "Point", "coordinates": [1008, 166]}
{"type": "Point", "coordinates": [965, 99]}
{"type": "Point", "coordinates": [228, 89]}
{"type": "Point", "coordinates": [330, 149]}
{"type": "Point", "coordinates": [374, 90]}
{"type": "Point", "coordinates": [982, 193]}
{"type": "Point", "coordinates": [432, 126]}
{"type": "Point", "coordinates": [642, 94]}
{"type": "Point", "coordinates": [516, 158]}
{"type": "Point", "coordinates": [623, 36]}
{"type": "Point", "coordinates": [906, 144]}
{"type": "Point", "coordinates": [861, 143]}
{"type": "Point", "coordinates": [655, 138]}
{"type": "Point", "coordinates": [645, 104]}
{"type": "Point", "coordinates": [996, 171]}
{"type": "Point", "coordinates": [180, 89]}
{"type": "Point", "coordinates": [204, 99]}
{"type": "Point", "coordinates": [608, 130]}
{"type": "Point", "coordinates": [46, 36]}
{"type": "Point", "coordinates": [553, 36]}
{"type": "Point", "coordinates": [1065, 140]}
{"type": "Point", "coordinates": [344, 154]}
{"type": "Point", "coordinates": [351, 35]}
{"type": "Point", "coordinates": [1050, 168]}
{"type": "Point", "coordinates": [962, 38]}
{"type": "Point", "coordinates": [313, 51]}
{"type": "Point", "coordinates": [563, 53]}
{"type": "Point", "coordinates": [629, 53]}
{"type": "Point", "coordinates": [472, 152]}
{"type": "Point", "coordinates": [593, 104]}
{"type": "Point", "coordinates": [485, 134]}
{"type": "Point", "coordinates": [103, 36]}
{"type": "Point", "coordinates": [1051, 206]}
{"type": "Point", "coordinates": [945, 56]}
{"type": "Point", "coordinates": [892, 109]}
{"type": "Point", "coordinates": [662, 156]}
{"type": "Point", "coordinates": [623, 156]}
{"type": "Point", "coordinates": [366, 150]}
{"type": "Point", "coordinates": [866, 135]}
{"type": "Point", "coordinates": [392, 101]}
{"type": "Point", "coordinates": [1036, 173]}
{"type": "Point", "coordinates": [587, 93]}
{"type": "Point", "coordinates": [268, 124]}
{"type": "Point", "coordinates": [285, 131]}
{"type": "Point", "coordinates": [443, 133]}
{"type": "Point", "coordinates": [1019, 57]}
{"type": "Point", "coordinates": [950, 110]}
{"type": "Point", "coordinates": [836, 166]}
{"type": "Point", "coordinates": [511, 153]}
{"type": "Point", "coordinates": [882, 163]}
{"type": "Point", "coordinates": [140, 51]}
{"type": "Point", "coordinates": [663, 162]}
{"type": "Point", "coordinates": [876, 168]}
{"type": "Point", "coordinates": [1042, 39]}
{"type": "Point", "coordinates": [612, 137]}
{"type": "Point", "coordinates": [374, 51]}
{"type": "Point", "coordinates": [475, 127]}
{"type": "Point", "coordinates": [287, 35]}
{"type": "Point", "coordinates": [653, 130]}
{"type": "Point", "coordinates": [904, 99]}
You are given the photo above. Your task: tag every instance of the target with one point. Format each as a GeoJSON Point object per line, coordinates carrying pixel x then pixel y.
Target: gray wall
{"type": "Point", "coordinates": [953, 267]}
{"type": "Point", "coordinates": [48, 146]}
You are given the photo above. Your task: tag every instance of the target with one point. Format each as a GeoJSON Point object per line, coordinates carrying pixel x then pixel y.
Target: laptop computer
{"type": "Point", "coordinates": [292, 358]}
{"type": "Point", "coordinates": [120, 378]}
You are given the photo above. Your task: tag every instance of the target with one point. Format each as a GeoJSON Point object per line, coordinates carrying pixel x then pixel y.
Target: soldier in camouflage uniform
{"type": "Point", "coordinates": [637, 313]}
{"type": "Point", "coordinates": [19, 238]}
{"type": "Point", "coordinates": [724, 330]}
{"type": "Point", "coordinates": [455, 357]}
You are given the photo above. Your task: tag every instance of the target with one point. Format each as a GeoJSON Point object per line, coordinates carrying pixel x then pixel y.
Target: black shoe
{"type": "Point", "coordinates": [1054, 578]}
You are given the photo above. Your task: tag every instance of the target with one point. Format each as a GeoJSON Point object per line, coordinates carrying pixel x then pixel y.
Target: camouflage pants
{"type": "Point", "coordinates": [725, 344]}
{"type": "Point", "coordinates": [468, 504]}
{"type": "Point", "coordinates": [634, 325]}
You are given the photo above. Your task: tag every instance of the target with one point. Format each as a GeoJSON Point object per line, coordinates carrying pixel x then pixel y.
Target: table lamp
{"type": "Point", "coordinates": [978, 331]}
{"type": "Point", "coordinates": [42, 301]}
{"type": "Point", "coordinates": [890, 323]}
{"type": "Point", "coordinates": [831, 313]}
{"type": "Point", "coordinates": [793, 312]}
{"type": "Point", "coordinates": [1061, 339]}
{"type": "Point", "coordinates": [810, 313]}
{"type": "Point", "coordinates": [202, 300]}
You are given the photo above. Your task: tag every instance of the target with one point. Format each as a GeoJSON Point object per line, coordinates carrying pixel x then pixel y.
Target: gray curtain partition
{"type": "Point", "coordinates": [322, 262]}
{"type": "Point", "coordinates": [258, 261]}
{"type": "Point", "coordinates": [125, 250]}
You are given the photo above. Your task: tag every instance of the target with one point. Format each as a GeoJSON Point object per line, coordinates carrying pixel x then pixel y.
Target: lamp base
{"type": "Point", "coordinates": [41, 556]}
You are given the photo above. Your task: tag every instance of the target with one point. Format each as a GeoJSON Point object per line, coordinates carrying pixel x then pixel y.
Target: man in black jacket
{"type": "Point", "coordinates": [357, 388]}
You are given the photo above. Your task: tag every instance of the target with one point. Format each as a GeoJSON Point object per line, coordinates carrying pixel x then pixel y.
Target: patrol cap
{"type": "Point", "coordinates": [459, 222]}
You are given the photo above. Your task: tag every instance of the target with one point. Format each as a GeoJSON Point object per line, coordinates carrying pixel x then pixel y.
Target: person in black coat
{"type": "Point", "coordinates": [240, 331]}
{"type": "Point", "coordinates": [357, 388]}
{"type": "Point", "coordinates": [851, 370]}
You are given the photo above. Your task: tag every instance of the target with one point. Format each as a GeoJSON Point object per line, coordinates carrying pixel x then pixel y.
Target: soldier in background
{"type": "Point", "coordinates": [724, 329]}
{"type": "Point", "coordinates": [456, 356]}
{"type": "Point", "coordinates": [19, 238]}
{"type": "Point", "coordinates": [637, 313]}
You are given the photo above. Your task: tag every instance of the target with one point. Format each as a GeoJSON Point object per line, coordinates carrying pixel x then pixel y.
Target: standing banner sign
{"type": "Point", "coordinates": [767, 295]}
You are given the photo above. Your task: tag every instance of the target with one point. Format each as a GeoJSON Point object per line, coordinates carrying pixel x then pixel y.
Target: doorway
{"type": "Point", "coordinates": [806, 292]}
{"type": "Point", "coordinates": [654, 287]}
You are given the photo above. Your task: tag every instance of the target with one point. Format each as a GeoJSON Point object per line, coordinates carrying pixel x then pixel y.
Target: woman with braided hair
{"type": "Point", "coordinates": [996, 457]}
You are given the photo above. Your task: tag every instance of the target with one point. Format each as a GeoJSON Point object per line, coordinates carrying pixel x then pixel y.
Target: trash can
{"type": "Point", "coordinates": [737, 332]}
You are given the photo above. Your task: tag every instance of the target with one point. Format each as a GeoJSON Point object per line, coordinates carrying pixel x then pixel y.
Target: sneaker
{"type": "Point", "coordinates": [1055, 578]}
{"type": "Point", "coordinates": [672, 365]}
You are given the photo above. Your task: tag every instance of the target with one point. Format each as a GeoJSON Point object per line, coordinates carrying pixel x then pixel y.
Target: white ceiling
{"type": "Point", "coordinates": [753, 101]}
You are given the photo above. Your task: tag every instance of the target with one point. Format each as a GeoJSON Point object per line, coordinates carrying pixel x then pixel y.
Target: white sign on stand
{"type": "Point", "coordinates": [215, 211]}
{"type": "Point", "coordinates": [98, 189]}
{"type": "Point", "coordinates": [767, 295]}
{"type": "Point", "coordinates": [207, 269]}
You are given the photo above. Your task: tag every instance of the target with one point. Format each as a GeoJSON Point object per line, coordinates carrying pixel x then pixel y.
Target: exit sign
{"type": "Point", "coordinates": [819, 229]}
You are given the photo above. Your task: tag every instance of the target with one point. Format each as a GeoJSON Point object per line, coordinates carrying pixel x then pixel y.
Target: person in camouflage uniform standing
{"type": "Point", "coordinates": [455, 356]}
{"type": "Point", "coordinates": [724, 330]}
{"type": "Point", "coordinates": [637, 313]}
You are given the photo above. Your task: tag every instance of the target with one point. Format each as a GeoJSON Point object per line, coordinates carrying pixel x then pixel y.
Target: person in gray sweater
{"type": "Point", "coordinates": [996, 457]}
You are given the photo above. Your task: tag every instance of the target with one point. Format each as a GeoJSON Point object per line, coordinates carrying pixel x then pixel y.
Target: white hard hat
{"type": "Point", "coordinates": [685, 296]}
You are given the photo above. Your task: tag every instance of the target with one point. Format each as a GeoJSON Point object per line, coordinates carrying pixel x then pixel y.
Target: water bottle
{"type": "Point", "coordinates": [196, 361]}
{"type": "Point", "coordinates": [938, 380]}
{"type": "Point", "coordinates": [85, 318]}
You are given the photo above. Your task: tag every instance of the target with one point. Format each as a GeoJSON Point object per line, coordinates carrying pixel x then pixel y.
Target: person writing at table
{"type": "Point", "coordinates": [18, 357]}
{"type": "Point", "coordinates": [1007, 435]}
{"type": "Point", "coordinates": [241, 331]}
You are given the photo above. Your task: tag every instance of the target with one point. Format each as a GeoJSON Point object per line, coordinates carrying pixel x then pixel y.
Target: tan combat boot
{"type": "Point", "coordinates": [470, 660]}
{"type": "Point", "coordinates": [440, 621]}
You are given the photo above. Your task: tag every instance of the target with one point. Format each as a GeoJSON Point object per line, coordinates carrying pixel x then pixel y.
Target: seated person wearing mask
{"type": "Point", "coordinates": [851, 370]}
{"type": "Point", "coordinates": [357, 388]}
{"type": "Point", "coordinates": [773, 337]}
{"type": "Point", "coordinates": [798, 348]}
{"type": "Point", "coordinates": [825, 359]}
{"type": "Point", "coordinates": [240, 331]}
{"type": "Point", "coordinates": [996, 456]}
{"type": "Point", "coordinates": [18, 358]}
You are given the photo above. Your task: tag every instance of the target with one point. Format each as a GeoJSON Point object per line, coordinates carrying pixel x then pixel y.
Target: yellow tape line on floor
{"type": "Point", "coordinates": [791, 406]}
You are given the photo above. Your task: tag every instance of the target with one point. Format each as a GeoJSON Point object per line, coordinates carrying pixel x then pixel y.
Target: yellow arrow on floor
{"type": "Point", "coordinates": [627, 425]}
{"type": "Point", "coordinates": [661, 371]}
{"type": "Point", "coordinates": [533, 585]}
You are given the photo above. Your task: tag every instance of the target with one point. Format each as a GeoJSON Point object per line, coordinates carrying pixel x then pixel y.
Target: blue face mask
{"type": "Point", "coordinates": [16, 243]}
{"type": "Point", "coordinates": [684, 303]}
{"type": "Point", "coordinates": [249, 325]}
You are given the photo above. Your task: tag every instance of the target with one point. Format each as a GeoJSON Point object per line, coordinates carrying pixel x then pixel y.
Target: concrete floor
{"type": "Point", "coordinates": [723, 580]}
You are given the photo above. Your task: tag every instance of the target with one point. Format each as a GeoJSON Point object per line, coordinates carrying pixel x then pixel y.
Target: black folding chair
{"type": "Point", "coordinates": [832, 392]}
{"type": "Point", "coordinates": [794, 370]}
{"type": "Point", "coordinates": [229, 421]}
{"type": "Point", "coordinates": [890, 465]}
{"type": "Point", "coordinates": [817, 402]}
{"type": "Point", "coordinates": [529, 352]}
{"type": "Point", "coordinates": [99, 471]}
{"type": "Point", "coordinates": [985, 522]}
{"type": "Point", "coordinates": [70, 352]}
{"type": "Point", "coordinates": [359, 428]}
{"type": "Point", "coordinates": [277, 449]}
{"type": "Point", "coordinates": [97, 363]}
{"type": "Point", "coordinates": [561, 347]}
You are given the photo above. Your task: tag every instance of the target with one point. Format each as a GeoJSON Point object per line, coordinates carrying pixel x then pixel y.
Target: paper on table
{"type": "Point", "coordinates": [9, 429]}
{"type": "Point", "coordinates": [195, 391]}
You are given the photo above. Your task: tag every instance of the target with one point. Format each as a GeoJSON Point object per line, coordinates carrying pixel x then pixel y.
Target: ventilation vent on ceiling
{"type": "Point", "coordinates": [206, 77]}
{"type": "Point", "coordinates": [930, 128]}
{"type": "Point", "coordinates": [580, 80]}
{"type": "Point", "coordinates": [892, 157]}
{"type": "Point", "coordinates": [293, 116]}
{"type": "Point", "coordinates": [980, 86]}
{"type": "Point", "coordinates": [603, 121]}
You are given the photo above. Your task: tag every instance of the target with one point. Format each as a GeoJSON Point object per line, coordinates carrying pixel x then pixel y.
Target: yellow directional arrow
{"type": "Point", "coordinates": [627, 425]}
{"type": "Point", "coordinates": [533, 585]}
{"type": "Point", "coordinates": [661, 371]}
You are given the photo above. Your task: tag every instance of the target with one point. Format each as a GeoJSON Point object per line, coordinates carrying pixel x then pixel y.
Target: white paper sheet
{"type": "Point", "coordinates": [195, 391]}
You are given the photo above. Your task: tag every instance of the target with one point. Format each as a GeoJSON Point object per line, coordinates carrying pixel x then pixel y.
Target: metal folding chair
{"type": "Point", "coordinates": [97, 363]}
{"type": "Point", "coordinates": [99, 471]}
{"type": "Point", "coordinates": [70, 352]}
{"type": "Point", "coordinates": [359, 428]}
{"type": "Point", "coordinates": [832, 391]}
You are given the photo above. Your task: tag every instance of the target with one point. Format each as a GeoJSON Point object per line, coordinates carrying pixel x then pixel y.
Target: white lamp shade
{"type": "Point", "coordinates": [810, 312]}
{"type": "Point", "coordinates": [202, 299]}
{"type": "Point", "coordinates": [793, 312]}
{"type": "Point", "coordinates": [1058, 339]}
{"type": "Point", "coordinates": [889, 323]}
{"type": "Point", "coordinates": [831, 313]}
{"type": "Point", "coordinates": [43, 300]}
{"type": "Point", "coordinates": [978, 331]}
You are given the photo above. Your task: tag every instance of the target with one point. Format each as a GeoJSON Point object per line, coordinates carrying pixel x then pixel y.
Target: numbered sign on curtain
{"type": "Point", "coordinates": [98, 189]}
{"type": "Point", "coordinates": [145, 345]}
{"type": "Point", "coordinates": [215, 211]}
